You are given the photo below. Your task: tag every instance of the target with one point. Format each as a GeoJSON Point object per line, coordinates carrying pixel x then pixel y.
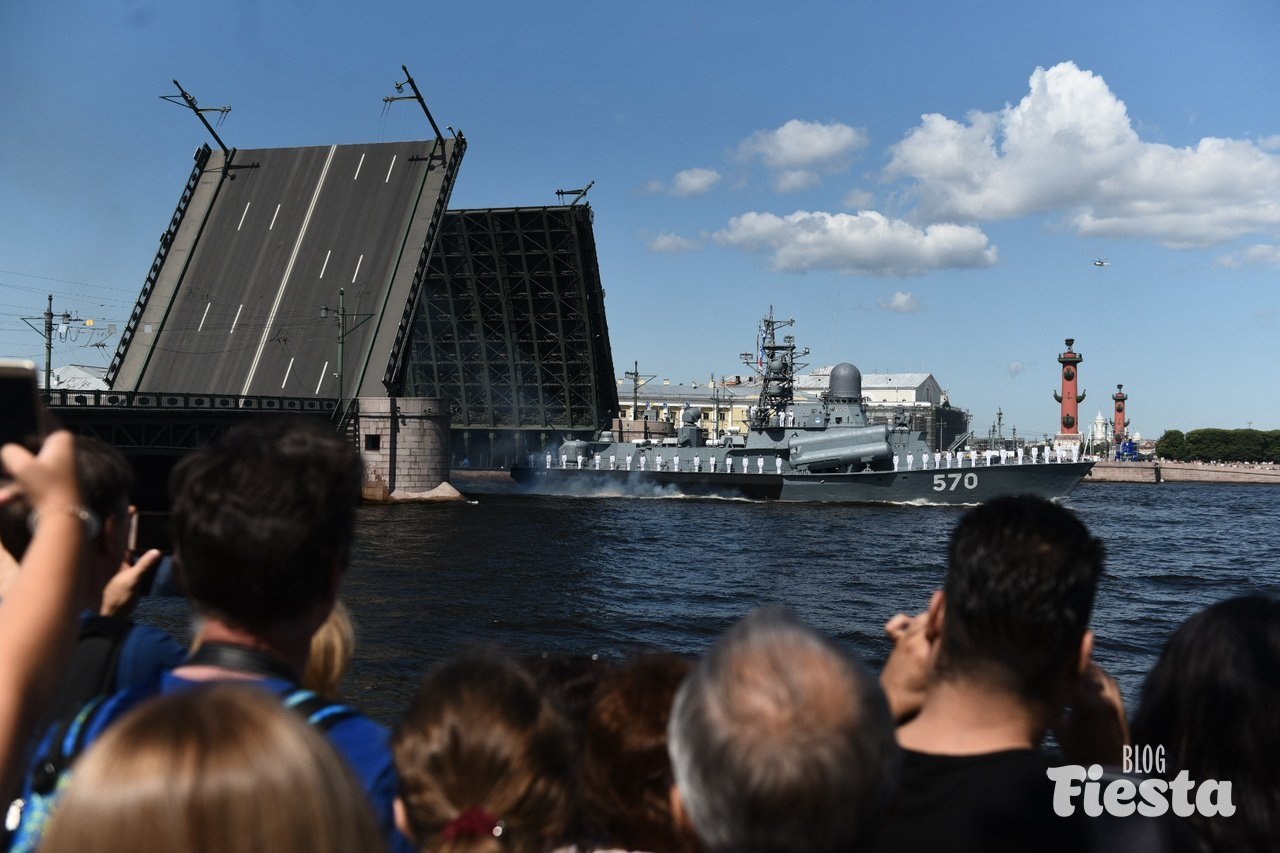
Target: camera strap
{"type": "Point", "coordinates": [241, 659]}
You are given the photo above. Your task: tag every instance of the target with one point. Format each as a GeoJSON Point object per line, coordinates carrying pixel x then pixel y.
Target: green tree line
{"type": "Point", "coordinates": [1220, 445]}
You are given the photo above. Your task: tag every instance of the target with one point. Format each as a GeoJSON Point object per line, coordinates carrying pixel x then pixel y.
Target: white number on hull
{"type": "Point", "coordinates": [949, 482]}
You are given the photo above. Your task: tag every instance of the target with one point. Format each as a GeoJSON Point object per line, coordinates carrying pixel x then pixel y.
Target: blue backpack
{"type": "Point", "coordinates": [29, 815]}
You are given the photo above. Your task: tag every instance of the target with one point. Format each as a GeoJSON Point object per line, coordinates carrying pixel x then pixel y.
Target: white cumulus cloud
{"type": "Point", "coordinates": [863, 243]}
{"type": "Point", "coordinates": [694, 181]}
{"type": "Point", "coordinates": [858, 199]}
{"type": "Point", "coordinates": [1256, 255]}
{"type": "Point", "coordinates": [1016, 367]}
{"type": "Point", "coordinates": [799, 152]}
{"type": "Point", "coordinates": [686, 182]}
{"type": "Point", "coordinates": [667, 243]}
{"type": "Point", "coordinates": [792, 180]}
{"type": "Point", "coordinates": [1069, 147]}
{"type": "Point", "coordinates": [902, 303]}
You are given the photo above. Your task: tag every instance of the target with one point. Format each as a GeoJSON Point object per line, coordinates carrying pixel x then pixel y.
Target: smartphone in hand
{"type": "Point", "coordinates": [21, 412]}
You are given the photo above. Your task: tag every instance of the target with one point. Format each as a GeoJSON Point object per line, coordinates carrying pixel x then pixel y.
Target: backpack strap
{"type": "Point", "coordinates": [70, 737]}
{"type": "Point", "coordinates": [50, 772]}
{"type": "Point", "coordinates": [66, 739]}
{"type": "Point", "coordinates": [319, 712]}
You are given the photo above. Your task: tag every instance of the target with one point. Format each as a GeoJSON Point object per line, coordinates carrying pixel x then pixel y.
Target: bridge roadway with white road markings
{"type": "Point", "coordinates": [263, 245]}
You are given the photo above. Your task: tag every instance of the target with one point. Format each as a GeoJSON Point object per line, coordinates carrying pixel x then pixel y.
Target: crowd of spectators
{"type": "Point", "coordinates": [776, 739]}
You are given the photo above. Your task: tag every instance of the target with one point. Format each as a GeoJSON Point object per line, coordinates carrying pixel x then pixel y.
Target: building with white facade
{"type": "Point", "coordinates": [914, 400]}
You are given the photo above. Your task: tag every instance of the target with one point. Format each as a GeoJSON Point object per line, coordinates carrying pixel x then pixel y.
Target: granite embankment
{"type": "Point", "coordinates": [1182, 472]}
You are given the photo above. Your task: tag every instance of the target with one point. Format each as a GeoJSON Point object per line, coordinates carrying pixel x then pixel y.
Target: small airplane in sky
{"type": "Point", "coordinates": [1101, 262]}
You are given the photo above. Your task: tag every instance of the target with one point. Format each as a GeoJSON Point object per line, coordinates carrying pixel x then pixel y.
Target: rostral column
{"type": "Point", "coordinates": [1121, 422]}
{"type": "Point", "coordinates": [1069, 399]}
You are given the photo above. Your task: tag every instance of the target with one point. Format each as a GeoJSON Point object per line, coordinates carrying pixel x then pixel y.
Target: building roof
{"type": "Point", "coordinates": [895, 380]}
{"type": "Point", "coordinates": [820, 377]}
{"type": "Point", "coordinates": [79, 377]}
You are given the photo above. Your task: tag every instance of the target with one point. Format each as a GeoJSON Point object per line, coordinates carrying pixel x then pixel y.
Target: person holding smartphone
{"type": "Point", "coordinates": [112, 652]}
{"type": "Point", "coordinates": [37, 618]}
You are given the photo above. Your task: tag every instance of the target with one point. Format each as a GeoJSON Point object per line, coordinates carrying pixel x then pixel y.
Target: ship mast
{"type": "Point", "coordinates": [775, 364]}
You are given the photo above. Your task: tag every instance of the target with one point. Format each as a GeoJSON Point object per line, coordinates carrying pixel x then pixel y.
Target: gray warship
{"type": "Point", "coordinates": [826, 451]}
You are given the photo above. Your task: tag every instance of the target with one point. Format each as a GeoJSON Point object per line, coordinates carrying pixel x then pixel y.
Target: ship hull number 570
{"type": "Point", "coordinates": [951, 482]}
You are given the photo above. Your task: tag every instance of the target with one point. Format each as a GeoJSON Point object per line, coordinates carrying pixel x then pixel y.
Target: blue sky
{"type": "Point", "coordinates": [922, 186]}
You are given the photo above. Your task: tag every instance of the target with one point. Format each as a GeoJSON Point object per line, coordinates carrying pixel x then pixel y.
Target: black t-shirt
{"type": "Point", "coordinates": [998, 801]}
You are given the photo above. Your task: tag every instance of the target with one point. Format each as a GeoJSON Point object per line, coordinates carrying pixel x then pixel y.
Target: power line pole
{"type": "Point", "coordinates": [47, 334]}
{"type": "Point", "coordinates": [48, 344]}
{"type": "Point", "coordinates": [637, 380]}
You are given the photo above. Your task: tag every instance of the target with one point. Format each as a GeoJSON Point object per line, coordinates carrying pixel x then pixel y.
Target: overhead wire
{"type": "Point", "coordinates": [65, 281]}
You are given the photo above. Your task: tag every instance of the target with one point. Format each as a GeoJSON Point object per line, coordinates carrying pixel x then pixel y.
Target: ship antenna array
{"type": "Point", "coordinates": [417, 96]}
{"type": "Point", "coordinates": [776, 365]}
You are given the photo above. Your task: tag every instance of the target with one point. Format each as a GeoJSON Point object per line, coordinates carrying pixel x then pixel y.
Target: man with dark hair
{"type": "Point", "coordinates": [780, 741]}
{"type": "Point", "coordinates": [263, 522]}
{"type": "Point", "coordinates": [262, 527]}
{"type": "Point", "coordinates": [105, 483]}
{"type": "Point", "coordinates": [978, 679]}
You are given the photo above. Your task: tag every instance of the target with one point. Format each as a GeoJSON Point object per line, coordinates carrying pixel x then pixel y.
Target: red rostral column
{"type": "Point", "coordinates": [1068, 398]}
{"type": "Point", "coordinates": [1121, 422]}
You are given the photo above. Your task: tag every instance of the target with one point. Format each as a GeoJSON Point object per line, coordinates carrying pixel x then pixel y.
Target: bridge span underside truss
{"type": "Point", "coordinates": [510, 327]}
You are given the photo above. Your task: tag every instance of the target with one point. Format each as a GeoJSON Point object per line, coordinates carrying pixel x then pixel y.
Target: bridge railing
{"type": "Point", "coordinates": [166, 240]}
{"type": "Point", "coordinates": [160, 400]}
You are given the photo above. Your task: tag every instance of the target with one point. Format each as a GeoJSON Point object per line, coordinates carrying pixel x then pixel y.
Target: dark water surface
{"type": "Point", "coordinates": [613, 576]}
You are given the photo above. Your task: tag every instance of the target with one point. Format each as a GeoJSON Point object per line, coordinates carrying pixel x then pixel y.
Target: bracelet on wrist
{"type": "Point", "coordinates": [92, 524]}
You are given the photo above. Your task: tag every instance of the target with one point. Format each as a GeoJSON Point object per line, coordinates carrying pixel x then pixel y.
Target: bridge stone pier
{"type": "Point", "coordinates": [405, 442]}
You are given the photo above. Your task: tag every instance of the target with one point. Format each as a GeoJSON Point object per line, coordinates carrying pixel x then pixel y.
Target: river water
{"type": "Point", "coordinates": [614, 576]}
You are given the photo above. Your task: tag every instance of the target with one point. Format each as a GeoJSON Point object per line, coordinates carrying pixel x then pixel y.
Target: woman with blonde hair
{"type": "Point", "coordinates": [332, 648]}
{"type": "Point", "coordinates": [215, 769]}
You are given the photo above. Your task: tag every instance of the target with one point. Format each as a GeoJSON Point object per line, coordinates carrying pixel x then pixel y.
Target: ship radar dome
{"type": "Point", "coordinates": [846, 382]}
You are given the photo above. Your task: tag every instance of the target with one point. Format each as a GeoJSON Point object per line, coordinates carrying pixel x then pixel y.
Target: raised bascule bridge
{"type": "Point", "coordinates": [268, 243]}
{"type": "Point", "coordinates": [331, 281]}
